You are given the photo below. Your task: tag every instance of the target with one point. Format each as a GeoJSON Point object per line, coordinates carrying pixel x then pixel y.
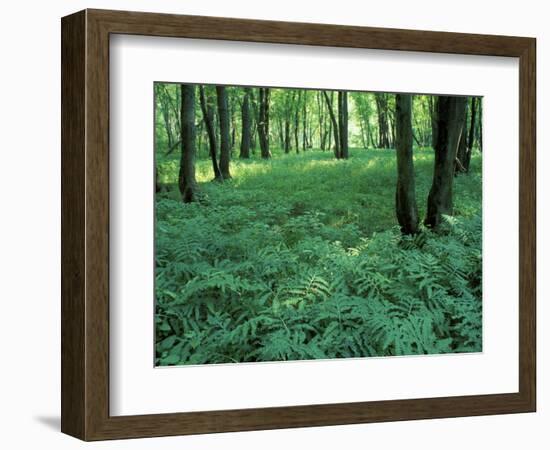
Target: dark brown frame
{"type": "Point", "coordinates": [85, 224]}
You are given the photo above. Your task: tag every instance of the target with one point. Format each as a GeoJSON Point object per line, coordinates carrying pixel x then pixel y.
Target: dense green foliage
{"type": "Point", "coordinates": [299, 257]}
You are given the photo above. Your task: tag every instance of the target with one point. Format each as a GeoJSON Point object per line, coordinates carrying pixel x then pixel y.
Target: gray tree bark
{"type": "Point", "coordinates": [187, 182]}
{"type": "Point", "coordinates": [263, 123]}
{"type": "Point", "coordinates": [343, 124]}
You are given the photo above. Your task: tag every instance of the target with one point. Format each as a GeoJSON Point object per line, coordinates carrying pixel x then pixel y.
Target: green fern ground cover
{"type": "Point", "coordinates": [299, 257]}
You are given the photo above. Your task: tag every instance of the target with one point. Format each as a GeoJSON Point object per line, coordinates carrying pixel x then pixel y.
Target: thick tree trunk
{"type": "Point", "coordinates": [405, 194]}
{"type": "Point", "coordinates": [225, 138]}
{"type": "Point", "coordinates": [208, 114]}
{"type": "Point", "coordinates": [263, 123]}
{"type": "Point", "coordinates": [343, 124]}
{"type": "Point", "coordinates": [187, 182]}
{"type": "Point", "coordinates": [246, 126]}
{"type": "Point", "coordinates": [451, 114]}
{"type": "Point", "coordinates": [334, 125]}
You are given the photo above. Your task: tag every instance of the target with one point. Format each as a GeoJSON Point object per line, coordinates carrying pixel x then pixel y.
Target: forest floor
{"type": "Point", "coordinates": [300, 257]}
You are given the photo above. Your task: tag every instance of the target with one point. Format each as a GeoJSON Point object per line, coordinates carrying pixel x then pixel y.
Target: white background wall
{"type": "Point", "coordinates": [30, 221]}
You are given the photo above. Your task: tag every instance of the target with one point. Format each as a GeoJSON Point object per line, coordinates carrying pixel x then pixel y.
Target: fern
{"type": "Point", "coordinates": [281, 282]}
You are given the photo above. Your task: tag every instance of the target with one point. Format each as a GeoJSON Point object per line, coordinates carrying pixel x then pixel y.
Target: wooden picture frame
{"type": "Point", "coordinates": [85, 224]}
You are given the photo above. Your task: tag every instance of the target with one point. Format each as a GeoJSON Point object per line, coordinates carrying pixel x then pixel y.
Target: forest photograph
{"type": "Point", "coordinates": [302, 224]}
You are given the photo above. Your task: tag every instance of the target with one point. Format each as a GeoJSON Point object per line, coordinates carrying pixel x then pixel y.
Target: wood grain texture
{"type": "Point", "coordinates": [85, 224]}
{"type": "Point", "coordinates": [73, 227]}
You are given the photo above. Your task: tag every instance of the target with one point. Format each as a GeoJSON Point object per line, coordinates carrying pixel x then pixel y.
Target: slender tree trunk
{"type": "Point", "coordinates": [166, 117]}
{"type": "Point", "coordinates": [461, 152]}
{"type": "Point", "coordinates": [233, 122]}
{"type": "Point", "coordinates": [287, 135]}
{"type": "Point", "coordinates": [297, 122]}
{"type": "Point", "coordinates": [334, 125]}
{"type": "Point", "coordinates": [157, 184]}
{"type": "Point", "coordinates": [263, 123]}
{"type": "Point", "coordinates": [370, 140]}
{"type": "Point", "coordinates": [233, 132]}
{"type": "Point", "coordinates": [280, 132]}
{"type": "Point", "coordinates": [208, 114]}
{"type": "Point", "coordinates": [405, 194]}
{"type": "Point", "coordinates": [200, 131]}
{"type": "Point", "coordinates": [343, 123]}
{"type": "Point", "coordinates": [432, 99]}
{"type": "Point", "coordinates": [173, 106]}
{"type": "Point", "coordinates": [304, 122]}
{"type": "Point", "coordinates": [225, 138]}
{"type": "Point", "coordinates": [328, 136]}
{"type": "Point", "coordinates": [480, 126]}
{"type": "Point", "coordinates": [364, 136]}
{"type": "Point", "coordinates": [246, 126]}
{"type": "Point", "coordinates": [321, 120]}
{"type": "Point", "coordinates": [451, 112]}
{"type": "Point", "coordinates": [186, 181]}
{"type": "Point", "coordinates": [471, 132]}
{"type": "Point", "coordinates": [383, 127]}
{"type": "Point", "coordinates": [254, 122]}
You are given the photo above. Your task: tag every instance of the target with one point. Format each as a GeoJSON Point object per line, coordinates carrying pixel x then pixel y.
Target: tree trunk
{"type": "Point", "coordinates": [321, 120]}
{"type": "Point", "coordinates": [225, 138]}
{"type": "Point", "coordinates": [461, 152]}
{"type": "Point", "coordinates": [382, 110]}
{"type": "Point", "coordinates": [254, 122]}
{"type": "Point", "coordinates": [166, 116]}
{"type": "Point", "coordinates": [471, 134]}
{"type": "Point", "coordinates": [157, 184]}
{"type": "Point", "coordinates": [451, 112]}
{"type": "Point", "coordinates": [304, 122]}
{"type": "Point", "coordinates": [208, 115]}
{"type": "Point", "coordinates": [432, 99]}
{"type": "Point", "coordinates": [480, 126]}
{"type": "Point", "coordinates": [246, 126]}
{"type": "Point", "coordinates": [364, 136]}
{"type": "Point", "coordinates": [343, 124]}
{"type": "Point", "coordinates": [263, 123]}
{"type": "Point", "coordinates": [287, 135]}
{"type": "Point", "coordinates": [334, 125]}
{"type": "Point", "coordinates": [297, 122]}
{"type": "Point", "coordinates": [405, 194]}
{"type": "Point", "coordinates": [187, 182]}
{"type": "Point", "coordinates": [175, 113]}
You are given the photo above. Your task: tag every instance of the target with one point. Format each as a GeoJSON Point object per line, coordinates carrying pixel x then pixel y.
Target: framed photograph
{"type": "Point", "coordinates": [273, 225]}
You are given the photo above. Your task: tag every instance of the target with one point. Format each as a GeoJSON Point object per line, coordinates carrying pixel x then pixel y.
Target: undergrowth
{"type": "Point", "coordinates": [303, 260]}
